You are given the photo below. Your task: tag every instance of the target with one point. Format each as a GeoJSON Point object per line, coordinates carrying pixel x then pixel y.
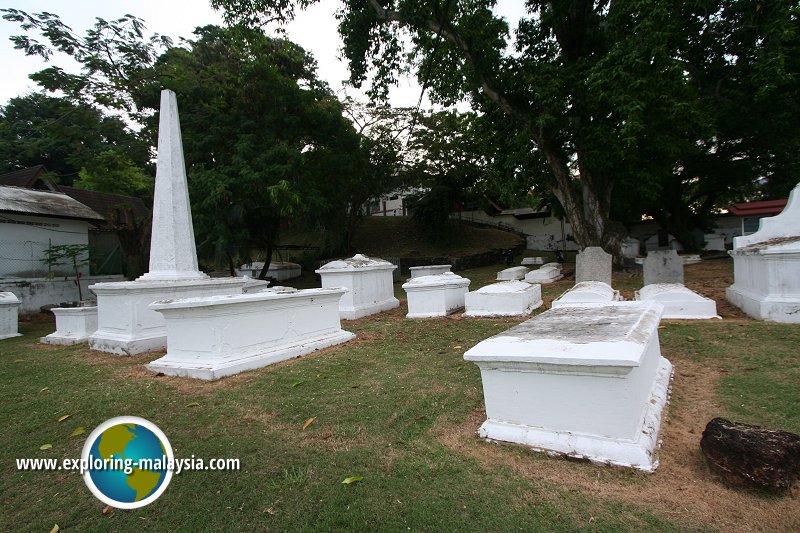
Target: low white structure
{"type": "Point", "coordinates": [430, 296]}
{"type": "Point", "coordinates": [630, 247]}
{"type": "Point", "coordinates": [587, 292]}
{"type": "Point", "coordinates": [74, 325]}
{"type": "Point", "coordinates": [217, 336]}
{"type": "Point", "coordinates": [544, 274]}
{"type": "Point", "coordinates": [9, 315]}
{"type": "Point", "coordinates": [278, 270]}
{"type": "Point", "coordinates": [125, 323]}
{"type": "Point", "coordinates": [587, 382]}
{"type": "Point", "coordinates": [507, 298]}
{"type": "Point", "coordinates": [714, 242]}
{"type": "Point", "coordinates": [513, 273]}
{"type": "Point", "coordinates": [429, 270]}
{"type": "Point", "coordinates": [766, 267]}
{"type": "Point", "coordinates": [678, 301]}
{"type": "Point", "coordinates": [691, 259]}
{"type": "Point", "coordinates": [529, 261]}
{"type": "Point", "coordinates": [370, 284]}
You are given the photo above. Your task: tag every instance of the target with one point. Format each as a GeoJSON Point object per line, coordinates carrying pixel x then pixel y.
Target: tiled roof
{"type": "Point", "coordinates": [765, 207]}
{"type": "Point", "coordinates": [41, 203]}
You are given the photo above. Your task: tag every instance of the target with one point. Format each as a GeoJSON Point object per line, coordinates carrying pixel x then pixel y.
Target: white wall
{"type": "Point", "coordinates": [36, 292]}
{"type": "Point", "coordinates": [24, 239]}
{"type": "Point", "coordinates": [542, 233]}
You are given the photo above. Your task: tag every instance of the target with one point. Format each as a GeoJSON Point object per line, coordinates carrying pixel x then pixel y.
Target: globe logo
{"type": "Point", "coordinates": [128, 462]}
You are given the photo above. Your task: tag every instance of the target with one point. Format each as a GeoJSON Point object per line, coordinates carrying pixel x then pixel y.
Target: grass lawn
{"type": "Point", "coordinates": [398, 406]}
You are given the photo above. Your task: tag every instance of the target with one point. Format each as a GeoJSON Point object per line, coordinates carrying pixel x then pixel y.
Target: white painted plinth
{"type": "Point", "coordinates": [544, 274]}
{"type": "Point", "coordinates": [691, 259]}
{"type": "Point", "coordinates": [254, 285]}
{"type": "Point", "coordinates": [678, 301]}
{"type": "Point", "coordinates": [429, 270]}
{"type": "Point", "coordinates": [125, 323]}
{"type": "Point", "coordinates": [513, 273]}
{"type": "Point", "coordinates": [528, 261]}
{"type": "Point", "coordinates": [74, 325]}
{"type": "Point", "coordinates": [507, 298]}
{"type": "Point", "coordinates": [213, 337]}
{"type": "Point", "coordinates": [587, 292]}
{"type": "Point", "coordinates": [370, 284]}
{"type": "Point", "coordinates": [9, 315]}
{"type": "Point", "coordinates": [587, 382]}
{"type": "Point", "coordinates": [430, 296]}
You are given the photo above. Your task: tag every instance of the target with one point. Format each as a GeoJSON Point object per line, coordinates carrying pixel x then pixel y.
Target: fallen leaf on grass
{"type": "Point", "coordinates": [19, 360]}
{"type": "Point", "coordinates": [80, 430]}
{"type": "Point", "coordinates": [297, 383]}
{"type": "Point", "coordinates": [420, 417]}
{"type": "Point", "coordinates": [55, 529]}
{"type": "Point", "coordinates": [690, 339]}
{"type": "Point", "coordinates": [45, 446]}
{"type": "Point", "coordinates": [108, 509]}
{"type": "Point", "coordinates": [662, 327]}
{"type": "Point", "coordinates": [309, 422]}
{"type": "Point", "coordinates": [45, 389]}
{"type": "Point", "coordinates": [63, 417]}
{"type": "Point", "coordinates": [456, 347]}
{"type": "Point", "coordinates": [193, 404]}
{"type": "Point", "coordinates": [326, 436]}
{"type": "Point", "coordinates": [352, 479]}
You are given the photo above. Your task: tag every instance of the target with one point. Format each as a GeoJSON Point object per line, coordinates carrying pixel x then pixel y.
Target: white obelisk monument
{"type": "Point", "coordinates": [126, 325]}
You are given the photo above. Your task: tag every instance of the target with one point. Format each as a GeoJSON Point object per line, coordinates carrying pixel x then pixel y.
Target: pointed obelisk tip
{"type": "Point", "coordinates": [173, 256]}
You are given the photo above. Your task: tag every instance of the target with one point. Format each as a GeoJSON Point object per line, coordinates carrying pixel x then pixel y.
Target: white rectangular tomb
{"type": "Point", "coordinates": [587, 382]}
{"type": "Point", "coordinates": [678, 301]}
{"type": "Point", "coordinates": [369, 282]}
{"type": "Point", "coordinates": [9, 315]}
{"type": "Point", "coordinates": [430, 296]}
{"type": "Point", "coordinates": [507, 298]}
{"type": "Point", "coordinates": [528, 261]}
{"type": "Point", "coordinates": [587, 292]}
{"type": "Point", "coordinates": [513, 273]}
{"type": "Point", "coordinates": [429, 270]}
{"type": "Point", "coordinates": [545, 274]}
{"type": "Point", "coordinates": [212, 337]}
{"type": "Point", "coordinates": [74, 325]}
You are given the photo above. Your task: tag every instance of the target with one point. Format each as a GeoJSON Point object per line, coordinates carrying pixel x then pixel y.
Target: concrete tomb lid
{"type": "Point", "coordinates": [253, 297]}
{"type": "Point", "coordinates": [783, 228]}
{"type": "Point", "coordinates": [420, 267]}
{"type": "Point", "coordinates": [608, 335]}
{"type": "Point", "coordinates": [589, 291]}
{"type": "Point", "coordinates": [505, 287]}
{"type": "Point", "coordinates": [356, 263]}
{"type": "Point", "coordinates": [8, 298]}
{"type": "Point", "coordinates": [439, 280]}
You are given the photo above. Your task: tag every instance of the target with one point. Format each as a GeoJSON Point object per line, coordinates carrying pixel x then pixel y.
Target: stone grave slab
{"type": "Point", "coordinates": [216, 336]}
{"type": "Point", "coordinates": [370, 283]}
{"type": "Point", "coordinates": [663, 266]}
{"type": "Point", "coordinates": [593, 264]}
{"type": "Point", "coordinates": [587, 292]}
{"type": "Point", "coordinates": [74, 325]}
{"type": "Point", "coordinates": [544, 274]}
{"type": "Point", "coordinates": [513, 273]}
{"type": "Point", "coordinates": [586, 382]}
{"type": "Point", "coordinates": [428, 270]}
{"type": "Point", "coordinates": [530, 261]}
{"type": "Point", "coordinates": [432, 296]}
{"type": "Point", "coordinates": [678, 301]}
{"type": "Point", "coordinates": [506, 298]}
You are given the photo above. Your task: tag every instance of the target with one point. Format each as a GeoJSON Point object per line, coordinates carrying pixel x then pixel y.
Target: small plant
{"type": "Point", "coordinates": [76, 255]}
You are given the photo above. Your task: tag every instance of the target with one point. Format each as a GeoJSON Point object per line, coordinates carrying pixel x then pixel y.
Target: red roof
{"type": "Point", "coordinates": [765, 207]}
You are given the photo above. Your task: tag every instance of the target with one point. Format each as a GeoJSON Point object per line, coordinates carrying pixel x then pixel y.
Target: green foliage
{"type": "Point", "coordinates": [113, 172]}
{"type": "Point", "coordinates": [64, 136]}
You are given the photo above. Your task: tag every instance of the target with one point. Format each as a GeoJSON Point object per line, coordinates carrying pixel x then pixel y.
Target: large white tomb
{"type": "Point", "coordinates": [766, 267]}
{"type": "Point", "coordinates": [440, 295]}
{"type": "Point", "coordinates": [678, 301]}
{"type": "Point", "coordinates": [278, 270]}
{"type": "Point", "coordinates": [544, 274]}
{"type": "Point", "coordinates": [9, 315]}
{"type": "Point", "coordinates": [587, 382]}
{"type": "Point", "coordinates": [507, 298]}
{"type": "Point", "coordinates": [530, 261]}
{"type": "Point", "coordinates": [217, 336]}
{"type": "Point", "coordinates": [587, 292]}
{"type": "Point", "coordinates": [125, 324]}
{"type": "Point", "coordinates": [429, 270]}
{"type": "Point", "coordinates": [370, 284]}
{"type": "Point", "coordinates": [74, 325]}
{"type": "Point", "coordinates": [513, 273]}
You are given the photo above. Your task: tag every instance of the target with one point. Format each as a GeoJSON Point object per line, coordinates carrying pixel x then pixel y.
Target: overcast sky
{"type": "Point", "coordinates": [314, 30]}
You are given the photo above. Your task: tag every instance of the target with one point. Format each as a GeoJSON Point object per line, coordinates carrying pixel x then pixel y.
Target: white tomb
{"type": "Point", "coordinates": [587, 382]}
{"type": "Point", "coordinates": [9, 315]}
{"type": "Point", "coordinates": [714, 242]}
{"type": "Point", "coordinates": [370, 284]}
{"type": "Point", "coordinates": [74, 325]}
{"type": "Point", "coordinates": [431, 296]}
{"type": "Point", "coordinates": [217, 336]}
{"type": "Point", "coordinates": [529, 261]}
{"type": "Point", "coordinates": [278, 270]}
{"type": "Point", "coordinates": [429, 270]}
{"type": "Point", "coordinates": [125, 324]}
{"type": "Point", "coordinates": [630, 247]}
{"type": "Point", "coordinates": [544, 274]}
{"type": "Point", "coordinates": [587, 292]}
{"type": "Point", "coordinates": [678, 301]}
{"type": "Point", "coordinates": [766, 267]}
{"type": "Point", "coordinates": [513, 273]}
{"type": "Point", "coordinates": [507, 298]}
{"type": "Point", "coordinates": [691, 259]}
